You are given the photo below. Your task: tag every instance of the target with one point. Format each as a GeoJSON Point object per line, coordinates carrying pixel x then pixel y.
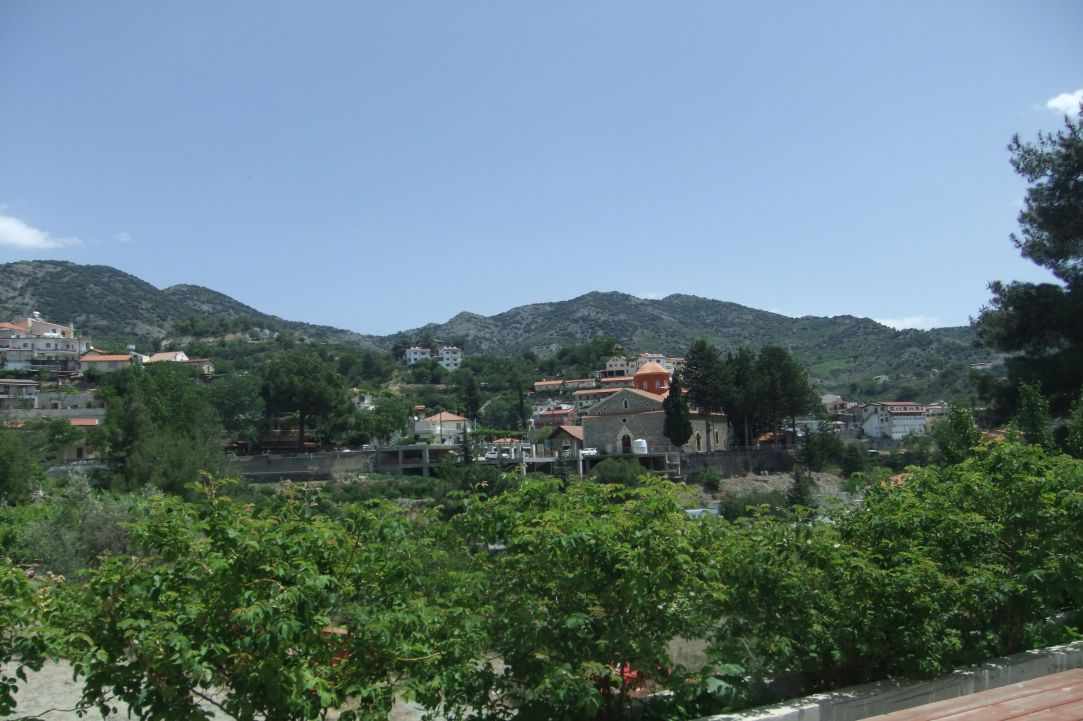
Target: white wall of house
{"type": "Point", "coordinates": [450, 358]}
{"type": "Point", "coordinates": [415, 354]}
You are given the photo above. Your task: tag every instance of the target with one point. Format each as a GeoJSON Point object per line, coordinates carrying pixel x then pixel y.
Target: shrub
{"type": "Point", "coordinates": [709, 478]}
{"type": "Point", "coordinates": [620, 471]}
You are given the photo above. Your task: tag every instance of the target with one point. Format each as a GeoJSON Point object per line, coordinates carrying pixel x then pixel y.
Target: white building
{"type": "Point", "coordinates": [670, 363]}
{"type": "Point", "coordinates": [416, 354]}
{"type": "Point", "coordinates": [893, 419]}
{"type": "Point", "coordinates": [450, 357]}
{"type": "Point", "coordinates": [168, 356]}
{"type": "Point", "coordinates": [444, 428]}
{"type": "Point", "coordinates": [36, 344]}
{"type": "Point", "coordinates": [618, 366]}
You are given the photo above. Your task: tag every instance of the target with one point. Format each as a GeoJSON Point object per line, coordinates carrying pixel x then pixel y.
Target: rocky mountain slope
{"type": "Point", "coordinates": [839, 351]}
{"type": "Point", "coordinates": [112, 306]}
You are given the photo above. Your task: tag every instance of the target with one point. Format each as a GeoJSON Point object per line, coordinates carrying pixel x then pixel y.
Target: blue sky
{"type": "Point", "coordinates": [377, 166]}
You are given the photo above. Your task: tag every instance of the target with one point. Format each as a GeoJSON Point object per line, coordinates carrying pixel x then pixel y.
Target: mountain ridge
{"type": "Point", "coordinates": [836, 349]}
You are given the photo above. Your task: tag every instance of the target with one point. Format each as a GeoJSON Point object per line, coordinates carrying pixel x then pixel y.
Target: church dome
{"type": "Point", "coordinates": [652, 378]}
{"type": "Point", "coordinates": [651, 368]}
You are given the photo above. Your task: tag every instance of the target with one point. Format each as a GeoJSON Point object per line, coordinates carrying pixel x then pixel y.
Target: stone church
{"type": "Point", "coordinates": [633, 413]}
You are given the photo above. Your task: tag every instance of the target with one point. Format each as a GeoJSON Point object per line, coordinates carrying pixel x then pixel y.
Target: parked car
{"type": "Point", "coordinates": [588, 452]}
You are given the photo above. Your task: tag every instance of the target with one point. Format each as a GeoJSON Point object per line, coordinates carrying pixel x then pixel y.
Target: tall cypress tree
{"type": "Point", "coordinates": [678, 423]}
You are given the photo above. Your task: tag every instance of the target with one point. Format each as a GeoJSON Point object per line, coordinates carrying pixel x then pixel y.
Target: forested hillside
{"type": "Point", "coordinates": [843, 353]}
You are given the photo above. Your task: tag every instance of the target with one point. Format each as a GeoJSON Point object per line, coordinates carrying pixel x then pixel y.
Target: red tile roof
{"type": "Point", "coordinates": [83, 422]}
{"type": "Point", "coordinates": [445, 416]}
{"type": "Point", "coordinates": [101, 358]}
{"type": "Point", "coordinates": [575, 432]}
{"type": "Point", "coordinates": [651, 368]}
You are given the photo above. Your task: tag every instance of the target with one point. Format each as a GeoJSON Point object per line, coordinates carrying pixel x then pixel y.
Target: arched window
{"type": "Point", "coordinates": [625, 402]}
{"type": "Point", "coordinates": [626, 443]}
{"type": "Point", "coordinates": [699, 442]}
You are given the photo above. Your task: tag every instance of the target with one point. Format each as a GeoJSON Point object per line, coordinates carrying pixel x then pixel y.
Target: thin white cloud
{"type": "Point", "coordinates": [921, 322]}
{"type": "Point", "coordinates": [1066, 103]}
{"type": "Point", "coordinates": [123, 237]}
{"type": "Point", "coordinates": [17, 234]}
{"type": "Point", "coordinates": [652, 295]}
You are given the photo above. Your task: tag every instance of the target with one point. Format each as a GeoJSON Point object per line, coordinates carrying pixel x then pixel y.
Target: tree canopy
{"type": "Point", "coordinates": [302, 382]}
{"type": "Point", "coordinates": [1040, 321]}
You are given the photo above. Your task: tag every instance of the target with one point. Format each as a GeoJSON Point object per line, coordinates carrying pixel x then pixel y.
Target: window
{"type": "Point", "coordinates": [625, 402]}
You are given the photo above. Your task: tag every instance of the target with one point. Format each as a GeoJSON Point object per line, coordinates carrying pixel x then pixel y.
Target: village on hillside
{"type": "Point", "coordinates": [617, 411]}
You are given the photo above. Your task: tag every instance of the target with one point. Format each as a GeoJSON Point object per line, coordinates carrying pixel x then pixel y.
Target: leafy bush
{"type": "Point", "coordinates": [619, 471]}
{"type": "Point", "coordinates": [73, 529]}
{"type": "Point", "coordinates": [709, 478]}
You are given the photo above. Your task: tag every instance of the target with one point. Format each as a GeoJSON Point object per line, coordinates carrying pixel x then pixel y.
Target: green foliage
{"type": "Point", "coordinates": [732, 506]}
{"type": "Point", "coordinates": [239, 404]}
{"type": "Point", "coordinates": [618, 471]}
{"type": "Point", "coordinates": [471, 396]}
{"type": "Point", "coordinates": [1033, 418]}
{"type": "Point", "coordinates": [821, 448]}
{"type": "Point", "coordinates": [704, 374]}
{"type": "Point", "coordinates": [19, 471]}
{"type": "Point", "coordinates": [1074, 437]}
{"type": "Point", "coordinates": [160, 428]}
{"type": "Point", "coordinates": [24, 637]}
{"type": "Point", "coordinates": [992, 532]}
{"type": "Point", "coordinates": [628, 564]}
{"type": "Point", "coordinates": [578, 360]}
{"type": "Point", "coordinates": [303, 382]}
{"type": "Point", "coordinates": [283, 605]}
{"type": "Point", "coordinates": [758, 392]}
{"type": "Point", "coordinates": [951, 566]}
{"type": "Point", "coordinates": [782, 391]}
{"type": "Point", "coordinates": [74, 527]}
{"type": "Point", "coordinates": [802, 488]}
{"type": "Point", "coordinates": [49, 437]}
{"type": "Point", "coordinates": [853, 459]}
{"type": "Point", "coordinates": [390, 416]}
{"type": "Point", "coordinates": [271, 613]}
{"type": "Point", "coordinates": [1039, 322]}
{"type": "Point", "coordinates": [956, 435]}
{"type": "Point", "coordinates": [678, 424]}
{"type": "Point", "coordinates": [707, 477]}
{"type": "Point", "coordinates": [501, 412]}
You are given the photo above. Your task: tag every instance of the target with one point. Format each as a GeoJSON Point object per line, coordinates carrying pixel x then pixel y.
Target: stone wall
{"type": "Point", "coordinates": [741, 462]}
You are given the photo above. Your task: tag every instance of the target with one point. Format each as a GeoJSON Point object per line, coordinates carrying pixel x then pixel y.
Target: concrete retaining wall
{"type": "Point", "coordinates": [300, 467]}
{"type": "Point", "coordinates": [740, 462]}
{"type": "Point", "coordinates": [874, 699]}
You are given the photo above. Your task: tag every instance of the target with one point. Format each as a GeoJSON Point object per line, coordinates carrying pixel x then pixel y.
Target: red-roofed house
{"type": "Point", "coordinates": [566, 440]}
{"type": "Point", "coordinates": [107, 362]}
{"type": "Point", "coordinates": [443, 427]}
